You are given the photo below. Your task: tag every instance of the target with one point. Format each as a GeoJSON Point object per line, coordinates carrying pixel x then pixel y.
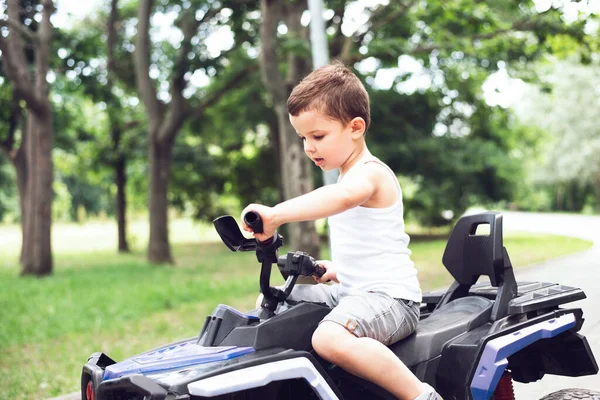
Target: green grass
{"type": "Point", "coordinates": [97, 300]}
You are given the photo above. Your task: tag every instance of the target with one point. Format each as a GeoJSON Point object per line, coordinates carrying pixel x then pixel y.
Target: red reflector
{"type": "Point", "coordinates": [504, 389]}
{"type": "Point", "coordinates": [89, 391]}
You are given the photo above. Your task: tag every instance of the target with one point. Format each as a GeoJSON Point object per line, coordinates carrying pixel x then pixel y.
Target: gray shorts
{"type": "Point", "coordinates": [364, 314]}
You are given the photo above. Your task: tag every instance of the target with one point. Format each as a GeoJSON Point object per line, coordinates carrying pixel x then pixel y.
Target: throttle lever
{"type": "Point", "coordinates": [299, 263]}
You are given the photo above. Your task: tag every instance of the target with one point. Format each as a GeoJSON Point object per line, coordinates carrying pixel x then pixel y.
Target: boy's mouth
{"type": "Point", "coordinates": [318, 161]}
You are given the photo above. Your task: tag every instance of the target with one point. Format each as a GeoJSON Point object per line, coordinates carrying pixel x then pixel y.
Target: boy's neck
{"type": "Point", "coordinates": [361, 152]}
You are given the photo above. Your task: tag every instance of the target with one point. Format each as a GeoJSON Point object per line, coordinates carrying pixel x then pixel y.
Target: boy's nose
{"type": "Point", "coordinates": [308, 147]}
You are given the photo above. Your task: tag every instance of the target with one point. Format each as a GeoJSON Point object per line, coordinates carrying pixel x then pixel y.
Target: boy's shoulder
{"type": "Point", "coordinates": [372, 169]}
{"type": "Point", "coordinates": [375, 181]}
{"type": "Point", "coordinates": [371, 164]}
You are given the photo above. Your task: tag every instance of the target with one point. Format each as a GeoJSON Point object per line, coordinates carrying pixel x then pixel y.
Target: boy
{"type": "Point", "coordinates": [376, 299]}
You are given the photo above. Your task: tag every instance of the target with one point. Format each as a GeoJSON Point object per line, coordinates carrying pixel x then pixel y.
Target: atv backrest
{"type": "Point", "coordinates": [470, 254]}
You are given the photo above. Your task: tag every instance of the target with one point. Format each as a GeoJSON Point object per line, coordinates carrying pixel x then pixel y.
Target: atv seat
{"type": "Point", "coordinates": [445, 323]}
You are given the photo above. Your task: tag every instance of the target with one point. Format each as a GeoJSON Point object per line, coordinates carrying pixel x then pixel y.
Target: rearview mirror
{"type": "Point", "coordinates": [231, 235]}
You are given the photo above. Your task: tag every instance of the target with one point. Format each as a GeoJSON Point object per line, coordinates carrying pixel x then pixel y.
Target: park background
{"type": "Point", "coordinates": [127, 126]}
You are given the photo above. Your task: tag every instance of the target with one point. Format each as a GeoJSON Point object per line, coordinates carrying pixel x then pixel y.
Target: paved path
{"type": "Point", "coordinates": [580, 270]}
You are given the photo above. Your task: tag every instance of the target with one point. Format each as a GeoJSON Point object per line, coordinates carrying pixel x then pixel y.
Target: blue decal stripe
{"type": "Point", "coordinates": [493, 361]}
{"type": "Point", "coordinates": [177, 356]}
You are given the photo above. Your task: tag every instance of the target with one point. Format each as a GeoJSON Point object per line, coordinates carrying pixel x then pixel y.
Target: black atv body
{"type": "Point", "coordinates": [472, 341]}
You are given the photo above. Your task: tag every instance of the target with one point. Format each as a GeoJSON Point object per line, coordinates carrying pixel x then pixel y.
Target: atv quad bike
{"type": "Point", "coordinates": [472, 341]}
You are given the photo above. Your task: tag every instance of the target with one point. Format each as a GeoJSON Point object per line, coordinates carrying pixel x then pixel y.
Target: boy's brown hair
{"type": "Point", "coordinates": [333, 90]}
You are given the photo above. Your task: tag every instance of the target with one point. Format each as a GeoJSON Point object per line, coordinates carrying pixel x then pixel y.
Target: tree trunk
{"type": "Point", "coordinates": [33, 159]}
{"type": "Point", "coordinates": [297, 180]}
{"type": "Point", "coordinates": [36, 252]}
{"type": "Point", "coordinates": [121, 181]}
{"type": "Point", "coordinates": [159, 250]}
{"type": "Point", "coordinates": [294, 166]}
{"type": "Point", "coordinates": [117, 132]}
{"type": "Point", "coordinates": [276, 147]}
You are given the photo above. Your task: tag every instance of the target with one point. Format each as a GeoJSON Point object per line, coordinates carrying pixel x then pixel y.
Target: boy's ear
{"type": "Point", "coordinates": [357, 127]}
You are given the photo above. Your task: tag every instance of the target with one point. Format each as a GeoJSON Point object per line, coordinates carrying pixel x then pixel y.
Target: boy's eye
{"type": "Point", "coordinates": [318, 137]}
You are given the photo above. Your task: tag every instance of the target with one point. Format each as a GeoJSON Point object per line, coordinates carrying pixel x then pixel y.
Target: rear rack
{"type": "Point", "coordinates": [531, 296]}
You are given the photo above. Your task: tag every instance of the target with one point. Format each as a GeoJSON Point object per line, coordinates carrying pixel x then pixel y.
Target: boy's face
{"type": "Point", "coordinates": [327, 142]}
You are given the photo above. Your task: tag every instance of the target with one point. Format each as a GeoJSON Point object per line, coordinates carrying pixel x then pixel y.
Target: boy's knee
{"type": "Point", "coordinates": [319, 341]}
{"type": "Point", "coordinates": [329, 339]}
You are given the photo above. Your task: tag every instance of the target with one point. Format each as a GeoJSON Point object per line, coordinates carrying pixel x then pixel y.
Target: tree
{"type": "Point", "coordinates": [118, 71]}
{"type": "Point", "coordinates": [456, 45]}
{"type": "Point", "coordinates": [431, 120]}
{"type": "Point", "coordinates": [23, 38]}
{"type": "Point", "coordinates": [98, 123]}
{"type": "Point", "coordinates": [565, 107]}
{"type": "Point", "coordinates": [167, 116]}
{"type": "Point", "coordinates": [295, 168]}
{"type": "Point", "coordinates": [225, 159]}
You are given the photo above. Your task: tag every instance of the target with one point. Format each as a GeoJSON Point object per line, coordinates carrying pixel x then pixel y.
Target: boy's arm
{"type": "Point", "coordinates": [358, 186]}
{"type": "Point", "coordinates": [355, 189]}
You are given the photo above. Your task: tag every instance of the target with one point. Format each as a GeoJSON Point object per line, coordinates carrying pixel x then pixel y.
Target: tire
{"type": "Point", "coordinates": [573, 394]}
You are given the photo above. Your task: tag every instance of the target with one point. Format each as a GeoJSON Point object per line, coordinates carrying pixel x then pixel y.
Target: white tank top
{"type": "Point", "coordinates": [370, 250]}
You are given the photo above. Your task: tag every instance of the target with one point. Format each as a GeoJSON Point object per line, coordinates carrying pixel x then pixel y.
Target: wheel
{"type": "Point", "coordinates": [573, 394]}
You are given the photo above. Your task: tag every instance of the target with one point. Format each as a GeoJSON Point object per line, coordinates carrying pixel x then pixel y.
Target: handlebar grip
{"type": "Point", "coordinates": [252, 219]}
{"type": "Point", "coordinates": [319, 271]}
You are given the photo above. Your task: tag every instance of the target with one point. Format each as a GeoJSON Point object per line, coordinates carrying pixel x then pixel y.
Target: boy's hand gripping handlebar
{"type": "Point", "coordinates": [253, 220]}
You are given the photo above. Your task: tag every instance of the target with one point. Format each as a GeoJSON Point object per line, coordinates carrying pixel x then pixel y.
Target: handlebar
{"type": "Point", "coordinates": [252, 219]}
{"type": "Point", "coordinates": [319, 271]}
{"type": "Point", "coordinates": [291, 265]}
{"type": "Point", "coordinates": [299, 263]}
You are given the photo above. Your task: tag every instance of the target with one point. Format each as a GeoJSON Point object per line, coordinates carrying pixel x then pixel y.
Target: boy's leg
{"type": "Point", "coordinates": [355, 334]}
{"type": "Point", "coordinates": [366, 358]}
{"type": "Point", "coordinates": [320, 293]}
